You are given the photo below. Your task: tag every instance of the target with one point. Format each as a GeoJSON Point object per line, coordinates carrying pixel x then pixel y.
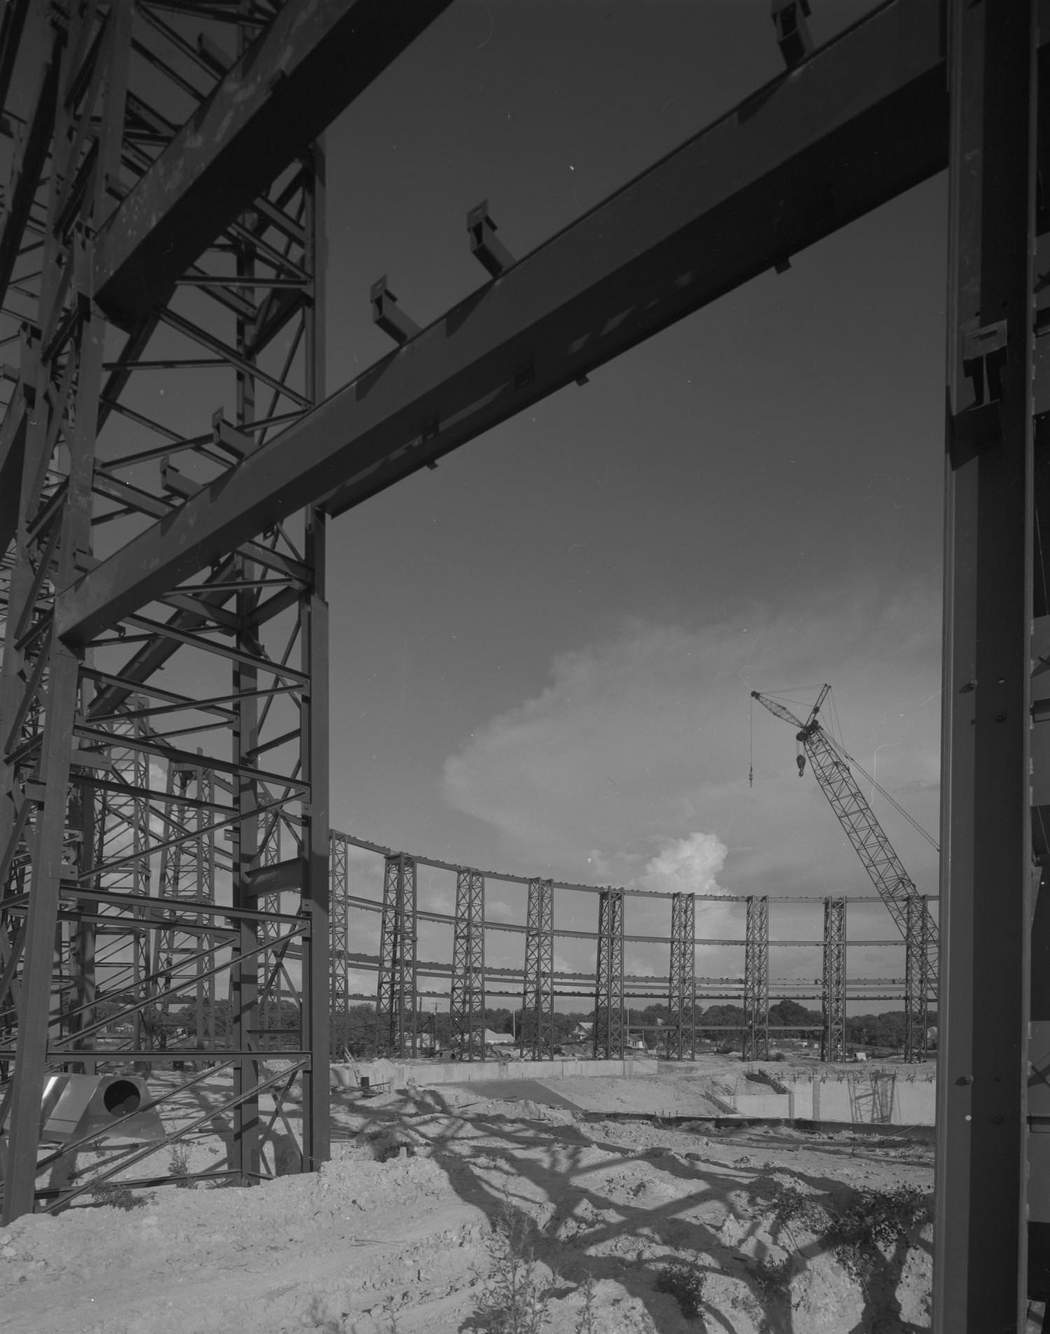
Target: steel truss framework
{"type": "Point", "coordinates": [508, 980]}
{"type": "Point", "coordinates": [397, 990]}
{"type": "Point", "coordinates": [756, 978]}
{"type": "Point", "coordinates": [833, 982]}
{"type": "Point", "coordinates": [608, 1033]}
{"type": "Point", "coordinates": [537, 1001]}
{"type": "Point", "coordinates": [681, 1000]}
{"type": "Point", "coordinates": [91, 738]}
{"type": "Point", "coordinates": [187, 872]}
{"type": "Point", "coordinates": [130, 248]}
{"type": "Point", "coordinates": [467, 995]}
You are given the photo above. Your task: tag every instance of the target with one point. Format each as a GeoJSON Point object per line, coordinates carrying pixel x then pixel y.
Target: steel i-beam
{"type": "Point", "coordinates": [804, 156]}
{"type": "Point", "coordinates": [986, 868]}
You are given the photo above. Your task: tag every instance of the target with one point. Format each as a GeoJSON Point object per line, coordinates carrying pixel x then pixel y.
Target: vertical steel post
{"type": "Point", "coordinates": [467, 996]}
{"type": "Point", "coordinates": [71, 336]}
{"type": "Point", "coordinates": [833, 988]}
{"type": "Point", "coordinates": [315, 720]}
{"type": "Point", "coordinates": [339, 937]}
{"type": "Point", "coordinates": [756, 978]}
{"type": "Point", "coordinates": [916, 980]}
{"type": "Point", "coordinates": [608, 1032]}
{"type": "Point", "coordinates": [682, 984]}
{"type": "Point", "coordinates": [396, 999]}
{"type": "Point", "coordinates": [979, 1234]}
{"type": "Point", "coordinates": [314, 892]}
{"type": "Point", "coordinates": [537, 1002]}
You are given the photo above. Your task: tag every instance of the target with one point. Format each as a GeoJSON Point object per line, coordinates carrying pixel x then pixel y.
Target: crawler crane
{"type": "Point", "coordinates": [834, 772]}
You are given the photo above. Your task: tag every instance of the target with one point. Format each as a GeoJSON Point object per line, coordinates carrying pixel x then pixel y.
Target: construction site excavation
{"type": "Point", "coordinates": [430, 434]}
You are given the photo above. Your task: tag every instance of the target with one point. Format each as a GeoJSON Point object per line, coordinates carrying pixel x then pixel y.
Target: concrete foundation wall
{"type": "Point", "coordinates": [398, 1073]}
{"type": "Point", "coordinates": [902, 1099]}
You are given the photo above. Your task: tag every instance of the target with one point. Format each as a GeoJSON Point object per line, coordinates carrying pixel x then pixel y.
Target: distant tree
{"type": "Point", "coordinates": [355, 1030]}
{"type": "Point", "coordinates": [790, 1014]}
{"type": "Point", "coordinates": [723, 1017]}
{"type": "Point", "coordinates": [877, 1030]}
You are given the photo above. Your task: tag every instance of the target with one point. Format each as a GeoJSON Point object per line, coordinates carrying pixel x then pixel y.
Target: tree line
{"type": "Point", "coordinates": [722, 1024]}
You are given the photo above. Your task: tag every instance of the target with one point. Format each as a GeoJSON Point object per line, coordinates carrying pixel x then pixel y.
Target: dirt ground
{"type": "Point", "coordinates": [407, 1229]}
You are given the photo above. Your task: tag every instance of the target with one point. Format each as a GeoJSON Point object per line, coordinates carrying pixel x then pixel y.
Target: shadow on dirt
{"type": "Point", "coordinates": [559, 1175]}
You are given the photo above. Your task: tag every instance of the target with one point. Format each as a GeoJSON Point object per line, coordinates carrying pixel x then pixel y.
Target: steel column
{"type": "Point", "coordinates": [756, 978]}
{"type": "Point", "coordinates": [608, 1033]}
{"type": "Point", "coordinates": [396, 994]}
{"type": "Point", "coordinates": [979, 1235]}
{"type": "Point", "coordinates": [833, 983]}
{"type": "Point", "coordinates": [467, 996]}
{"type": "Point", "coordinates": [681, 1000]}
{"type": "Point", "coordinates": [260, 740]}
{"type": "Point", "coordinates": [339, 932]}
{"type": "Point", "coordinates": [916, 980]}
{"type": "Point", "coordinates": [537, 1002]}
{"type": "Point", "coordinates": [38, 705]}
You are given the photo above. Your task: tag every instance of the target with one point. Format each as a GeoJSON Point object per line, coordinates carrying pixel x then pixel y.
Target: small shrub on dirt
{"type": "Point", "coordinates": [514, 1301]}
{"type": "Point", "coordinates": [791, 1205]}
{"type": "Point", "coordinates": [116, 1197]}
{"type": "Point", "coordinates": [685, 1283]}
{"type": "Point", "coordinates": [876, 1218]}
{"type": "Point", "coordinates": [773, 1277]}
{"type": "Point", "coordinates": [588, 1321]}
{"type": "Point", "coordinates": [179, 1166]}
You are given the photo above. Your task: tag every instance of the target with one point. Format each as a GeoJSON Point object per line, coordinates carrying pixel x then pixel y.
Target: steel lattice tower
{"type": "Point", "coordinates": [756, 978]}
{"type": "Point", "coordinates": [467, 997]}
{"type": "Point", "coordinates": [833, 982]}
{"type": "Point", "coordinates": [608, 1036]}
{"type": "Point", "coordinates": [682, 987]}
{"type": "Point", "coordinates": [112, 266]}
{"type": "Point", "coordinates": [537, 1002]}
{"type": "Point", "coordinates": [339, 931]}
{"type": "Point", "coordinates": [916, 980]}
{"type": "Point", "coordinates": [396, 994]}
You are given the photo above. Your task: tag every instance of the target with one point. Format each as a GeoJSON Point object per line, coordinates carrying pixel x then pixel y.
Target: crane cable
{"type": "Point", "coordinates": [750, 742]}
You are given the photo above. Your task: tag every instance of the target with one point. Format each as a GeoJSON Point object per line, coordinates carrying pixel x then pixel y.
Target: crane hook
{"type": "Point", "coordinates": [800, 760]}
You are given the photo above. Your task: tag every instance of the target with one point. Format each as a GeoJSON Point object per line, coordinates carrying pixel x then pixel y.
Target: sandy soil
{"type": "Point", "coordinates": [404, 1230]}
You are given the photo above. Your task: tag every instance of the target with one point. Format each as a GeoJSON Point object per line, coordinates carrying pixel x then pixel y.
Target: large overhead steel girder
{"type": "Point", "coordinates": [311, 62]}
{"type": "Point", "coordinates": [862, 120]}
{"type": "Point", "coordinates": [309, 65]}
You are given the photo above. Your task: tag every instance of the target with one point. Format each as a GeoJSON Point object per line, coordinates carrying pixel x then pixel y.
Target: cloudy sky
{"type": "Point", "coordinates": [542, 651]}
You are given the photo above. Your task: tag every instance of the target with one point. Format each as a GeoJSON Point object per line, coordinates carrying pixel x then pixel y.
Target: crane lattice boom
{"type": "Point", "coordinates": [885, 869]}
